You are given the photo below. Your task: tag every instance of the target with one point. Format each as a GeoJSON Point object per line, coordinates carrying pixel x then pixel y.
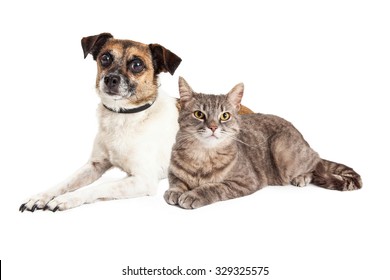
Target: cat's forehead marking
{"type": "Point", "coordinates": [212, 101]}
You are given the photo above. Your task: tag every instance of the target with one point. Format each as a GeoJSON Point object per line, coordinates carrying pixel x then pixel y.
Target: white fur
{"type": "Point", "coordinates": [139, 144]}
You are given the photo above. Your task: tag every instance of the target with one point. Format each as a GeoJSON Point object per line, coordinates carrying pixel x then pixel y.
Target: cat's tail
{"type": "Point", "coordinates": [336, 176]}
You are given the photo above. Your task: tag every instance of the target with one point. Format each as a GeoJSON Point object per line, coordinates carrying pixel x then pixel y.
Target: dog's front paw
{"type": "Point", "coordinates": [36, 202]}
{"type": "Point", "coordinates": [172, 196]}
{"type": "Point", "coordinates": [191, 200]}
{"type": "Point", "coordinates": [64, 202]}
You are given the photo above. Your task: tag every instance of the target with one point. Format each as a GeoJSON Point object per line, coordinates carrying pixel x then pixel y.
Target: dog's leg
{"type": "Point", "coordinates": [87, 174]}
{"type": "Point", "coordinates": [133, 186]}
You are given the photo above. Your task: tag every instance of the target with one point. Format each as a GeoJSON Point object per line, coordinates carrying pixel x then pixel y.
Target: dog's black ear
{"type": "Point", "coordinates": [163, 59]}
{"type": "Point", "coordinates": [93, 44]}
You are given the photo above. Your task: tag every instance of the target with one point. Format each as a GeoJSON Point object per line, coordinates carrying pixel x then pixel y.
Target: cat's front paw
{"type": "Point", "coordinates": [191, 200]}
{"type": "Point", "coordinates": [172, 196]}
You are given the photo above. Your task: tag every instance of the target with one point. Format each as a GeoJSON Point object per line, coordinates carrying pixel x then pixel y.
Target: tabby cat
{"type": "Point", "coordinates": [220, 155]}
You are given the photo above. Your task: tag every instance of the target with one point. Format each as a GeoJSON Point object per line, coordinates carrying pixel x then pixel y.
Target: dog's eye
{"type": "Point", "coordinates": [105, 59]}
{"type": "Point", "coordinates": [136, 65]}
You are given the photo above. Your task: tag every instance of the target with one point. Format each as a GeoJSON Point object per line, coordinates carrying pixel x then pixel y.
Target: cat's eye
{"type": "Point", "coordinates": [225, 116]}
{"type": "Point", "coordinates": [199, 115]}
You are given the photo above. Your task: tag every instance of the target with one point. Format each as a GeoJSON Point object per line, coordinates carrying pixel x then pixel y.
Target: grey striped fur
{"type": "Point", "coordinates": [242, 155]}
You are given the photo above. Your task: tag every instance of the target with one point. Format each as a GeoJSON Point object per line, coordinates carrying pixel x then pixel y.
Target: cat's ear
{"type": "Point", "coordinates": [235, 95]}
{"type": "Point", "coordinates": [186, 93]}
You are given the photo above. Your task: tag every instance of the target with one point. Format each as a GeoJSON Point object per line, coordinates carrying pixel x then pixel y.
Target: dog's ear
{"type": "Point", "coordinates": [163, 59]}
{"type": "Point", "coordinates": [93, 44]}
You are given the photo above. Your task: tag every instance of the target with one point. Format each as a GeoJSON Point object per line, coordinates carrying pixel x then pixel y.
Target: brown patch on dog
{"type": "Point", "coordinates": [143, 84]}
{"type": "Point", "coordinates": [245, 110]}
{"type": "Point", "coordinates": [123, 52]}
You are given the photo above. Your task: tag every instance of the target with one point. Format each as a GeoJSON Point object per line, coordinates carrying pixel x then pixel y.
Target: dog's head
{"type": "Point", "coordinates": [128, 70]}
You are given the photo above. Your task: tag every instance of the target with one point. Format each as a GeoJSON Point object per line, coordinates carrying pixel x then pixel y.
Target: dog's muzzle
{"type": "Point", "coordinates": [112, 82]}
{"type": "Point", "coordinates": [116, 84]}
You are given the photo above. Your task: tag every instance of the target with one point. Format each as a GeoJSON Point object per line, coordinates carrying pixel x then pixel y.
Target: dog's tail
{"type": "Point", "coordinates": [336, 176]}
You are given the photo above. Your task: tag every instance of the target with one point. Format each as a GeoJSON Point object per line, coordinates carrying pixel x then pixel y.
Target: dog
{"type": "Point", "coordinates": [137, 125]}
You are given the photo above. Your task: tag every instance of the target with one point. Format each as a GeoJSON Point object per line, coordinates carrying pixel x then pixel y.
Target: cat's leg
{"type": "Point", "coordinates": [294, 159]}
{"type": "Point", "coordinates": [213, 192]}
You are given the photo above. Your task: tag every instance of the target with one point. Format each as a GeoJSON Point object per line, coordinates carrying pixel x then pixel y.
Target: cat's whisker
{"type": "Point", "coordinates": [242, 142]}
{"type": "Point", "coordinates": [236, 139]}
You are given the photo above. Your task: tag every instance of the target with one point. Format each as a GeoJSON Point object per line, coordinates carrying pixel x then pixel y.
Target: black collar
{"type": "Point", "coordinates": [131, 110]}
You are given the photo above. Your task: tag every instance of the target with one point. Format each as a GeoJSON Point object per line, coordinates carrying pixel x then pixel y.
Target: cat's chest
{"type": "Point", "coordinates": [208, 167]}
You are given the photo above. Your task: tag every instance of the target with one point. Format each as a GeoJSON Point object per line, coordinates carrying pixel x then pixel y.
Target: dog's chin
{"type": "Point", "coordinates": [113, 100]}
{"type": "Point", "coordinates": [115, 96]}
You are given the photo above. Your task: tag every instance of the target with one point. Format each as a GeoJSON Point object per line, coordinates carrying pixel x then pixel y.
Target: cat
{"type": "Point", "coordinates": [220, 155]}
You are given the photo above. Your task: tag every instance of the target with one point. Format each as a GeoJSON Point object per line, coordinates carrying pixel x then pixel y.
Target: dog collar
{"type": "Point", "coordinates": [131, 110]}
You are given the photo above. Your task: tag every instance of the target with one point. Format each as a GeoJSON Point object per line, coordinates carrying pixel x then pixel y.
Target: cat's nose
{"type": "Point", "coordinates": [213, 127]}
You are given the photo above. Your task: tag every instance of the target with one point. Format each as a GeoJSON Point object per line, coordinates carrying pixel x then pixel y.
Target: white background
{"type": "Point", "coordinates": [323, 65]}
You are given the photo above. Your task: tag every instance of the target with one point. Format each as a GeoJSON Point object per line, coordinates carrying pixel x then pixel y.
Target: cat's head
{"type": "Point", "coordinates": [211, 119]}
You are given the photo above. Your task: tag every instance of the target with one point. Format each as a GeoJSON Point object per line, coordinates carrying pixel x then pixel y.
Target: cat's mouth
{"type": "Point", "coordinates": [211, 135]}
{"type": "Point", "coordinates": [212, 139]}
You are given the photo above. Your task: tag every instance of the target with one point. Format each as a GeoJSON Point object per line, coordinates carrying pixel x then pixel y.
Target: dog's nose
{"type": "Point", "coordinates": [112, 81]}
